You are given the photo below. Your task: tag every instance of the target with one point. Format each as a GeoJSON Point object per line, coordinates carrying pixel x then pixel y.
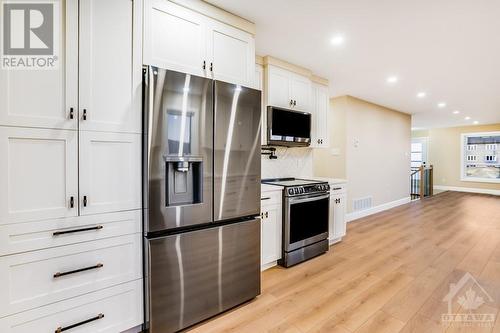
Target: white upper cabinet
{"type": "Point", "coordinates": [110, 67]}
{"type": "Point", "coordinates": [175, 38]}
{"type": "Point", "coordinates": [38, 173]}
{"type": "Point", "coordinates": [300, 92]}
{"type": "Point", "coordinates": [110, 172]}
{"type": "Point", "coordinates": [183, 40]}
{"type": "Point", "coordinates": [231, 53]}
{"type": "Point", "coordinates": [45, 98]}
{"type": "Point", "coordinates": [320, 103]}
{"type": "Point", "coordinates": [278, 87]}
{"type": "Point", "coordinates": [287, 89]}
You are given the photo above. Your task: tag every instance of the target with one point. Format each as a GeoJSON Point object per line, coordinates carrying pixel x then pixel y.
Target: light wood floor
{"type": "Point", "coordinates": [390, 274]}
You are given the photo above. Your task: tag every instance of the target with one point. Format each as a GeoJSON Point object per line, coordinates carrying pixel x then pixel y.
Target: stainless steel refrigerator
{"type": "Point", "coordinates": [201, 197]}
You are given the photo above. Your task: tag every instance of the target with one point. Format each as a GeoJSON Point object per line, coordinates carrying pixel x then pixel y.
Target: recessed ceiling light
{"type": "Point", "coordinates": [337, 40]}
{"type": "Point", "coordinates": [475, 122]}
{"type": "Point", "coordinates": [441, 105]}
{"type": "Point", "coordinates": [421, 94]}
{"type": "Point", "coordinates": [392, 79]}
{"type": "Point", "coordinates": [467, 118]}
{"type": "Point", "coordinates": [456, 112]}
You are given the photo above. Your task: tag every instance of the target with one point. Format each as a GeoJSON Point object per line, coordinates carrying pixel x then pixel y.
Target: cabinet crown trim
{"type": "Point", "coordinates": [218, 14]}
{"type": "Point", "coordinates": [269, 60]}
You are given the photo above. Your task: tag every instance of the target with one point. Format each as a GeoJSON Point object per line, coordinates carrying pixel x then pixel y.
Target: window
{"type": "Point", "coordinates": [480, 157]}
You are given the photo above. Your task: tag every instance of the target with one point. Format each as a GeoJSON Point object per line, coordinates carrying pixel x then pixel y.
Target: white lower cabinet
{"type": "Point", "coordinates": [38, 173]}
{"type": "Point", "coordinates": [337, 213]}
{"type": "Point", "coordinates": [32, 279]}
{"type": "Point", "coordinates": [271, 228]}
{"type": "Point", "coordinates": [110, 310]}
{"type": "Point", "coordinates": [110, 172]}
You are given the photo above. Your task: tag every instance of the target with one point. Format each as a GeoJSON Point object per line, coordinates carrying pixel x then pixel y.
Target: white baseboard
{"type": "Point", "coordinates": [268, 265]}
{"type": "Point", "coordinates": [357, 215]}
{"type": "Point", "coordinates": [466, 189]}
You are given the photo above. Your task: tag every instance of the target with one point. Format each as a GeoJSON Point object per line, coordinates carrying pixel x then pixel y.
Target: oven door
{"type": "Point", "coordinates": [306, 220]}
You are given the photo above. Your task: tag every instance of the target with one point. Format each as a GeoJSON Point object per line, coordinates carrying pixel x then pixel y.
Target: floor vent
{"type": "Point", "coordinates": [362, 203]}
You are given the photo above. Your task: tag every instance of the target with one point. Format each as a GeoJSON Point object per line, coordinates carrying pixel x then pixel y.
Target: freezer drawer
{"type": "Point", "coordinates": [198, 274]}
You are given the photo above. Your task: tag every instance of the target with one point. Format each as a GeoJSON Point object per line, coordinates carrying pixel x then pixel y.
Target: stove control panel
{"type": "Point", "coordinates": [307, 189]}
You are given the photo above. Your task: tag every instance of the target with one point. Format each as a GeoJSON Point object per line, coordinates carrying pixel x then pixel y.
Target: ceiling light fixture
{"type": "Point", "coordinates": [475, 122]}
{"type": "Point", "coordinates": [392, 79]}
{"type": "Point", "coordinates": [337, 40]}
{"type": "Point", "coordinates": [441, 105]}
{"type": "Point", "coordinates": [467, 118]}
{"type": "Point", "coordinates": [421, 94]}
{"type": "Point", "coordinates": [456, 112]}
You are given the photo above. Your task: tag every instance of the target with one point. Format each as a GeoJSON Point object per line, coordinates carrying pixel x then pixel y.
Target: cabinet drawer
{"type": "Point", "coordinates": [337, 189]}
{"type": "Point", "coordinates": [270, 198]}
{"type": "Point", "coordinates": [121, 307]}
{"type": "Point", "coordinates": [33, 279]}
{"type": "Point", "coordinates": [23, 237]}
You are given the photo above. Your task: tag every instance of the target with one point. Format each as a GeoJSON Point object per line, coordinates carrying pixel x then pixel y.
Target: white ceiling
{"type": "Point", "coordinates": [448, 48]}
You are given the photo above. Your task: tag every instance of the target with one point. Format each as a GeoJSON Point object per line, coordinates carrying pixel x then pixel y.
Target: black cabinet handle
{"type": "Point", "coordinates": [211, 66]}
{"type": "Point", "coordinates": [72, 202]}
{"type": "Point", "coordinates": [57, 233]}
{"type": "Point", "coordinates": [59, 274]}
{"type": "Point", "coordinates": [71, 113]}
{"type": "Point", "coordinates": [266, 198]}
{"type": "Point", "coordinates": [291, 102]}
{"type": "Point", "coordinates": [267, 215]}
{"type": "Point", "coordinates": [294, 103]}
{"type": "Point", "coordinates": [84, 116]}
{"type": "Point", "coordinates": [204, 65]}
{"type": "Point", "coordinates": [62, 329]}
{"type": "Point", "coordinates": [85, 201]}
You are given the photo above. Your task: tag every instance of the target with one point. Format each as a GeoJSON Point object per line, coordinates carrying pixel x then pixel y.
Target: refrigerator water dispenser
{"type": "Point", "coordinates": [184, 185]}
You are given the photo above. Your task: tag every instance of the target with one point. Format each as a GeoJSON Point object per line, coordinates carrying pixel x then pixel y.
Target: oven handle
{"type": "Point", "coordinates": [308, 198]}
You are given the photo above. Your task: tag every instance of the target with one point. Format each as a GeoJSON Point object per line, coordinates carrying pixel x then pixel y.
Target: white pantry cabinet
{"type": "Point", "coordinates": [183, 40]}
{"type": "Point", "coordinates": [46, 98]}
{"type": "Point", "coordinates": [320, 107]}
{"type": "Point", "coordinates": [110, 66]}
{"type": "Point", "coordinates": [110, 172]}
{"type": "Point", "coordinates": [97, 84]}
{"type": "Point", "coordinates": [271, 228]}
{"type": "Point", "coordinates": [38, 173]}
{"type": "Point", "coordinates": [287, 89]}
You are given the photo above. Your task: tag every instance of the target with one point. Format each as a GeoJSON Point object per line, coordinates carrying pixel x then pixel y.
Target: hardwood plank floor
{"type": "Point", "coordinates": [389, 274]}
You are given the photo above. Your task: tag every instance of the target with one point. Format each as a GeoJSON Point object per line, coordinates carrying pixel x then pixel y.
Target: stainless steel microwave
{"type": "Point", "coordinates": [288, 128]}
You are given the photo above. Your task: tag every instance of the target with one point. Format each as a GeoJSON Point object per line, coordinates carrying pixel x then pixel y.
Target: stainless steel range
{"type": "Point", "coordinates": [305, 219]}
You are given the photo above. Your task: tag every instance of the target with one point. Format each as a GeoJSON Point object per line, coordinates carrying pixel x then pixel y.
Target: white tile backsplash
{"type": "Point", "coordinates": [291, 162]}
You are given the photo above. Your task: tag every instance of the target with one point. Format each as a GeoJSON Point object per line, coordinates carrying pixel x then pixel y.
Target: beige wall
{"type": "Point", "coordinates": [375, 143]}
{"type": "Point", "coordinates": [331, 162]}
{"type": "Point", "coordinates": [444, 153]}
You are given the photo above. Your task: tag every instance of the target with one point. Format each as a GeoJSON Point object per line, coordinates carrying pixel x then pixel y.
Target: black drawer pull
{"type": "Point", "coordinates": [62, 329]}
{"type": "Point", "coordinates": [59, 274]}
{"type": "Point", "coordinates": [337, 188]}
{"type": "Point", "coordinates": [57, 233]}
{"type": "Point", "coordinates": [266, 198]}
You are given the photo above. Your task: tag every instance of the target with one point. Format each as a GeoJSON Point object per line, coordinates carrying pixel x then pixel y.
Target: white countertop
{"type": "Point", "coordinates": [270, 188]}
{"type": "Point", "coordinates": [330, 180]}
